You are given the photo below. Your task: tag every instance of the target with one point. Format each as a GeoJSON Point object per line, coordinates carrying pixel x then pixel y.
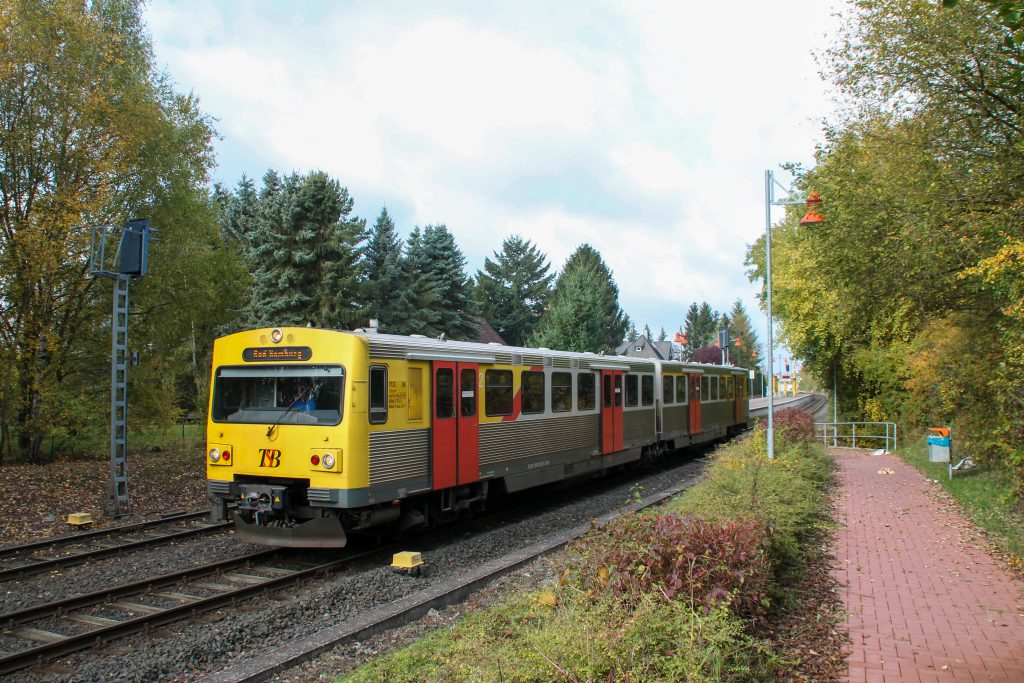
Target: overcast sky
{"type": "Point", "coordinates": [643, 128]}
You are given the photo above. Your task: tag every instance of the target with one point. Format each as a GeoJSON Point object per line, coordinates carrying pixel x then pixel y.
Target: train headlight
{"type": "Point", "coordinates": [214, 454]}
{"type": "Point", "coordinates": [276, 336]}
{"type": "Point", "coordinates": [329, 461]}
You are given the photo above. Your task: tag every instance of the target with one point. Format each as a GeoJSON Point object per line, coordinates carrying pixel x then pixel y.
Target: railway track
{"type": "Point", "coordinates": [64, 551]}
{"type": "Point", "coordinates": [64, 626]}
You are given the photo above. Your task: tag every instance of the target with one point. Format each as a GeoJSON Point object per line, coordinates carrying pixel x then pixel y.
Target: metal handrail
{"type": "Point", "coordinates": [831, 430]}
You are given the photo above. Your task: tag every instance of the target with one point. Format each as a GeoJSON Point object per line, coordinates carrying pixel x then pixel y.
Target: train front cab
{"type": "Point", "coordinates": [287, 431]}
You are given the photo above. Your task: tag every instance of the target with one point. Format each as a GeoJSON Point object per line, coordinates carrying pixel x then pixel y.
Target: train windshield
{"type": "Point", "coordinates": [307, 394]}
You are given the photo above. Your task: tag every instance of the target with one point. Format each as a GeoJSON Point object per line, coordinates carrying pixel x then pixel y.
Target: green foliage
{"type": "Point", "coordinates": [910, 288]}
{"type": "Point", "coordinates": [94, 134]}
{"type": "Point", "coordinates": [302, 247]}
{"type": "Point", "coordinates": [787, 494]}
{"type": "Point", "coordinates": [584, 312]}
{"type": "Point", "coordinates": [382, 270]}
{"type": "Point", "coordinates": [513, 289]}
{"type": "Point", "coordinates": [582, 639]}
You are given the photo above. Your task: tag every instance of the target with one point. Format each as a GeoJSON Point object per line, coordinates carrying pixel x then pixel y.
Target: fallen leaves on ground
{"type": "Point", "coordinates": [161, 481]}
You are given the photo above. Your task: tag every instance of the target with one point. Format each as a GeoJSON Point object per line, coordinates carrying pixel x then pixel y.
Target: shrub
{"type": "Point", "coordinates": [702, 563]}
{"type": "Point", "coordinates": [792, 426]}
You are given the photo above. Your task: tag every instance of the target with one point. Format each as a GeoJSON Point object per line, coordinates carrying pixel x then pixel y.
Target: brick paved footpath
{"type": "Point", "coordinates": [924, 601]}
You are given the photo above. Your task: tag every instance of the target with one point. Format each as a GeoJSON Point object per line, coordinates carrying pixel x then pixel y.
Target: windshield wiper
{"type": "Point", "coordinates": [270, 429]}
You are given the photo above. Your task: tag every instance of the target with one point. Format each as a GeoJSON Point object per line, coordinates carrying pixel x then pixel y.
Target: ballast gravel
{"type": "Point", "coordinates": [185, 651]}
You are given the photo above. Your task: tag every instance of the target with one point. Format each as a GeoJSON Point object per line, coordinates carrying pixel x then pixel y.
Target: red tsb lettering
{"type": "Point", "coordinates": [270, 457]}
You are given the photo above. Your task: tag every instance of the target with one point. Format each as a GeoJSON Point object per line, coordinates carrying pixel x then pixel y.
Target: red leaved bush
{"type": "Point", "coordinates": [688, 558]}
{"type": "Point", "coordinates": [795, 425]}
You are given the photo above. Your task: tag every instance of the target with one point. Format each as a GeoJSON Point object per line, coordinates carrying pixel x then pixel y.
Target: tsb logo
{"type": "Point", "coordinates": [270, 457]}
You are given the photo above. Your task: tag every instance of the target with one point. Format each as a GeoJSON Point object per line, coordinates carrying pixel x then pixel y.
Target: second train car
{"type": "Point", "coordinates": [316, 433]}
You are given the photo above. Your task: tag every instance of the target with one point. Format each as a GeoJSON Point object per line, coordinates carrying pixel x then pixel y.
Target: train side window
{"type": "Point", "coordinates": [467, 393]}
{"type": "Point", "coordinates": [606, 390]}
{"type": "Point", "coordinates": [647, 390]}
{"type": "Point", "coordinates": [533, 392]}
{"type": "Point", "coordinates": [705, 388]}
{"type": "Point", "coordinates": [681, 389]}
{"type": "Point", "coordinates": [586, 391]}
{"type": "Point", "coordinates": [714, 393]}
{"type": "Point", "coordinates": [378, 394]}
{"type": "Point", "coordinates": [667, 389]}
{"type": "Point", "coordinates": [730, 388]}
{"type": "Point", "coordinates": [415, 393]}
{"type": "Point", "coordinates": [498, 392]}
{"type": "Point", "coordinates": [632, 390]}
{"type": "Point", "coordinates": [444, 393]}
{"type": "Point", "coordinates": [561, 392]}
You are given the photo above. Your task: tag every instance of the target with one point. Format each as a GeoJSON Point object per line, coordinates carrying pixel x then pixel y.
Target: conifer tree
{"type": "Point", "coordinates": [383, 271]}
{"type": "Point", "coordinates": [575, 319]}
{"type": "Point", "coordinates": [445, 268]}
{"type": "Point", "coordinates": [302, 247]}
{"type": "Point", "coordinates": [512, 290]}
{"type": "Point", "coordinates": [610, 322]}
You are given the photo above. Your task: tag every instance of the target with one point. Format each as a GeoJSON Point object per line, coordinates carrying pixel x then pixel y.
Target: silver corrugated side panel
{"type": "Point", "coordinates": [505, 441]}
{"type": "Point", "coordinates": [397, 455]}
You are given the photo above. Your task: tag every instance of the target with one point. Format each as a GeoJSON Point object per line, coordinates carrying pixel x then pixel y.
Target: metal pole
{"type": "Point", "coordinates": [771, 328]}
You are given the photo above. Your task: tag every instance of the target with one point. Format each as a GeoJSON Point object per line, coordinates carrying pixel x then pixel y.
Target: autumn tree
{"type": "Point", "coordinates": [90, 133]}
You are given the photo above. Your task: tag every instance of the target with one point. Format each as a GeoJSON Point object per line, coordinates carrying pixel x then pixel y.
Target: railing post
{"type": "Point", "coordinates": [854, 435]}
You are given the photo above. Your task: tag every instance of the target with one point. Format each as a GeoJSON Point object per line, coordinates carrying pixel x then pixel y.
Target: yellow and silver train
{"type": "Point", "coordinates": [316, 434]}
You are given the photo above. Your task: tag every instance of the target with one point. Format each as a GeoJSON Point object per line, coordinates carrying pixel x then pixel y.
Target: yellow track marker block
{"type": "Point", "coordinates": [79, 518]}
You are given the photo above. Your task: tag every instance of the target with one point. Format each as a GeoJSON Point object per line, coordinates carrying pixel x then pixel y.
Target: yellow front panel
{"type": "Point", "coordinates": [286, 452]}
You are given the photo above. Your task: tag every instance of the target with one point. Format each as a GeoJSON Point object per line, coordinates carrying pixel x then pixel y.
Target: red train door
{"type": "Point", "coordinates": [469, 425]}
{"type": "Point", "coordinates": [611, 411]}
{"type": "Point", "coordinates": [444, 426]}
{"type": "Point", "coordinates": [739, 387]}
{"type": "Point", "coordinates": [695, 397]}
{"type": "Point", "coordinates": [456, 425]}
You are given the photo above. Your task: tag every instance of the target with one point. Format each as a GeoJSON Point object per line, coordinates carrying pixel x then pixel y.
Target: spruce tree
{"type": "Point", "coordinates": [745, 340]}
{"type": "Point", "coordinates": [302, 249]}
{"type": "Point", "coordinates": [574, 320]}
{"type": "Point", "coordinates": [416, 308]}
{"type": "Point", "coordinates": [446, 270]}
{"type": "Point", "coordinates": [512, 290]}
{"type": "Point", "coordinates": [612, 322]}
{"type": "Point", "coordinates": [382, 266]}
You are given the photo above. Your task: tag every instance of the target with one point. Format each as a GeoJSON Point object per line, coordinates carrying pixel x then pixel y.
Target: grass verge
{"type": "Point", "coordinates": [695, 592]}
{"type": "Point", "coordinates": [985, 495]}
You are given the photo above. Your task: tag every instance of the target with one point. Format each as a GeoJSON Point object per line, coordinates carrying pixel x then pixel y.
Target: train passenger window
{"type": "Point", "coordinates": [415, 393]}
{"type": "Point", "coordinates": [730, 388]}
{"type": "Point", "coordinates": [632, 390]}
{"type": "Point", "coordinates": [606, 390]}
{"type": "Point", "coordinates": [647, 390]}
{"type": "Point", "coordinates": [467, 395]}
{"type": "Point", "coordinates": [681, 389]}
{"type": "Point", "coordinates": [705, 388]}
{"type": "Point", "coordinates": [444, 393]}
{"type": "Point", "coordinates": [618, 390]}
{"type": "Point", "coordinates": [668, 389]}
{"type": "Point", "coordinates": [586, 392]}
{"type": "Point", "coordinates": [378, 394]}
{"type": "Point", "coordinates": [561, 392]}
{"type": "Point", "coordinates": [713, 393]}
{"type": "Point", "coordinates": [498, 392]}
{"type": "Point", "coordinates": [533, 392]}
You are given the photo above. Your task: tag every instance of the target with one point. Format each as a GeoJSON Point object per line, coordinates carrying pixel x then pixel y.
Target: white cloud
{"type": "Point", "coordinates": [663, 114]}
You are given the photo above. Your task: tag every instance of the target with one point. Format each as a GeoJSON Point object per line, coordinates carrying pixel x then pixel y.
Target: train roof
{"type": "Point", "coordinates": [417, 347]}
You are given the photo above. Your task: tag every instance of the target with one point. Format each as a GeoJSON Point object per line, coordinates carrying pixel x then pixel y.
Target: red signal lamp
{"type": "Point", "coordinates": [680, 338]}
{"type": "Point", "coordinates": [813, 215]}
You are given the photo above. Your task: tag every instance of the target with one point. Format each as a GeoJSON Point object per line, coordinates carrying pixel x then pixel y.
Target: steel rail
{"type": "Point", "coordinates": [47, 651]}
{"type": "Point", "coordinates": [13, 553]}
